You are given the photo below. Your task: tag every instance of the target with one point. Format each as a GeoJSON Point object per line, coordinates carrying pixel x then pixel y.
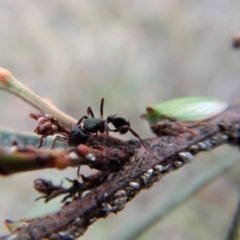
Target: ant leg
{"type": "Point", "coordinates": [61, 128]}
{"type": "Point", "coordinates": [54, 141]}
{"type": "Point", "coordinates": [119, 129]}
{"type": "Point", "coordinates": [81, 119]}
{"type": "Point", "coordinates": [42, 141]}
{"type": "Point", "coordinates": [59, 138]}
{"type": "Point", "coordinates": [101, 108]}
{"type": "Point", "coordinates": [90, 112]}
{"type": "Point", "coordinates": [89, 140]}
{"type": "Point", "coordinates": [106, 129]}
{"type": "Point", "coordinates": [78, 171]}
{"type": "Point", "coordinates": [137, 136]}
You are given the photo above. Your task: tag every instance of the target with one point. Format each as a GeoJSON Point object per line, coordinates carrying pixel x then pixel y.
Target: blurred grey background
{"type": "Point", "coordinates": [133, 54]}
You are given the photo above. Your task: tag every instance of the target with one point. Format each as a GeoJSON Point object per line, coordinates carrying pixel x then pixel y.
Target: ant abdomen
{"type": "Point", "coordinates": [77, 136]}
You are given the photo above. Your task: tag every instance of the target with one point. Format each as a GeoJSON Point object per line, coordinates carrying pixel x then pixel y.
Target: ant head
{"type": "Point", "coordinates": [118, 120]}
{"type": "Point", "coordinates": [110, 118]}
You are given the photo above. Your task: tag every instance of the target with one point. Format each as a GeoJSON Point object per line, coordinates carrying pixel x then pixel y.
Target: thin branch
{"type": "Point", "coordinates": [18, 158]}
{"type": "Point", "coordinates": [29, 158]}
{"type": "Point", "coordinates": [166, 154]}
{"type": "Point", "coordinates": [142, 225]}
{"type": "Point", "coordinates": [10, 84]}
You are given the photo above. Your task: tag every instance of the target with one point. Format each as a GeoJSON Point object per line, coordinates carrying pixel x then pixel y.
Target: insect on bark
{"type": "Point", "coordinates": [85, 128]}
{"type": "Point", "coordinates": [179, 115]}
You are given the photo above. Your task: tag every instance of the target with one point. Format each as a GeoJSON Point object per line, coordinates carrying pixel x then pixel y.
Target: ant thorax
{"type": "Point", "coordinates": [93, 125]}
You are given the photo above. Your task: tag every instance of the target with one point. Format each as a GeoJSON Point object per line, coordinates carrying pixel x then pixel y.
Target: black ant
{"type": "Point", "coordinates": [94, 125]}
{"type": "Point", "coordinates": [85, 127]}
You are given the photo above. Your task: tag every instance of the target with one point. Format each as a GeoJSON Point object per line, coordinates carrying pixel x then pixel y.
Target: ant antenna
{"type": "Point", "coordinates": [90, 112]}
{"type": "Point", "coordinates": [101, 108]}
